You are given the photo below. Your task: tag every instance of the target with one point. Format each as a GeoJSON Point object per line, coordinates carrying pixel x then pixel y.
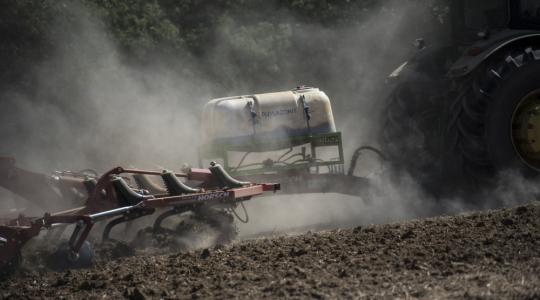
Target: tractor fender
{"type": "Point", "coordinates": [483, 50]}
{"type": "Point", "coordinates": [428, 60]}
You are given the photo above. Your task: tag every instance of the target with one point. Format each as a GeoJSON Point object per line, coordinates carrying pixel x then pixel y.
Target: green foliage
{"type": "Point", "coordinates": [23, 26]}
{"type": "Point", "coordinates": [255, 34]}
{"type": "Point", "coordinates": [137, 25]}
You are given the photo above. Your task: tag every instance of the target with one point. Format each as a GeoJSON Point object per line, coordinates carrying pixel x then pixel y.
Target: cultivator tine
{"type": "Point", "coordinates": [145, 183]}
{"type": "Point", "coordinates": [128, 216]}
{"type": "Point", "coordinates": [224, 178]}
{"type": "Point", "coordinates": [79, 235]}
{"type": "Point", "coordinates": [109, 227]}
{"type": "Point", "coordinates": [176, 187]}
{"type": "Point", "coordinates": [175, 211]}
{"type": "Point", "coordinates": [127, 194]}
{"type": "Point", "coordinates": [75, 235]}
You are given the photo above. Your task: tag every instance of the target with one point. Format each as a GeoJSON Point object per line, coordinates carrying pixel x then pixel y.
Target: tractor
{"type": "Point", "coordinates": [465, 111]}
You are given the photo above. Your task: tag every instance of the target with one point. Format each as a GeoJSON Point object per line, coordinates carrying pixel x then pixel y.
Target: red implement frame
{"type": "Point", "coordinates": [103, 203]}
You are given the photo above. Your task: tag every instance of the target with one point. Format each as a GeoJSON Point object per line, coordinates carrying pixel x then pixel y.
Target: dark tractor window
{"type": "Point", "coordinates": [485, 14]}
{"type": "Point", "coordinates": [530, 10]}
{"type": "Point", "coordinates": [526, 14]}
{"type": "Point", "coordinates": [471, 17]}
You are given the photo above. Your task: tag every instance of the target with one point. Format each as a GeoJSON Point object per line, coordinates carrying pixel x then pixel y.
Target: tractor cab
{"type": "Point", "coordinates": [477, 20]}
{"type": "Point", "coordinates": [525, 14]}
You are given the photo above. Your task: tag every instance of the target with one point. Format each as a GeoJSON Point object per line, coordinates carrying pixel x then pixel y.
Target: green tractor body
{"type": "Point", "coordinates": [463, 112]}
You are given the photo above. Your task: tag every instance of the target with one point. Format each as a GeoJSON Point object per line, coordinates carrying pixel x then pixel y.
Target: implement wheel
{"type": "Point", "coordinates": [64, 259]}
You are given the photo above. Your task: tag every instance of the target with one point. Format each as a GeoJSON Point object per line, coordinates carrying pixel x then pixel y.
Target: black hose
{"type": "Point", "coordinates": [246, 219]}
{"type": "Point", "coordinates": [242, 160]}
{"type": "Point", "coordinates": [356, 155]}
{"type": "Point", "coordinates": [287, 152]}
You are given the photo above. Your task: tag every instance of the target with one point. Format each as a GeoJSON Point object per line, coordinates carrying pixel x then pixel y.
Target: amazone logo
{"type": "Point", "coordinates": [278, 112]}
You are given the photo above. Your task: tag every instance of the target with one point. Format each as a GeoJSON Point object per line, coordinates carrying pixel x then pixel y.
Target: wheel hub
{"type": "Point", "coordinates": [526, 129]}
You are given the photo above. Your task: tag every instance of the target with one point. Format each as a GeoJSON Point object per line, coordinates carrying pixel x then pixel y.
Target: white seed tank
{"type": "Point", "coordinates": [239, 119]}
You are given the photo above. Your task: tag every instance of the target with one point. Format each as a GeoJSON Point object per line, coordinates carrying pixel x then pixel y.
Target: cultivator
{"type": "Point", "coordinates": [118, 196]}
{"type": "Point", "coordinates": [288, 137]}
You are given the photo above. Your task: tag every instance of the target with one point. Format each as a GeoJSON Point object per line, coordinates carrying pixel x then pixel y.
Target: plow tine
{"type": "Point", "coordinates": [175, 211]}
{"type": "Point", "coordinates": [128, 195]}
{"type": "Point", "coordinates": [175, 186]}
{"type": "Point", "coordinates": [75, 234]}
{"type": "Point", "coordinates": [109, 227]}
{"type": "Point", "coordinates": [145, 183]}
{"type": "Point", "coordinates": [128, 215]}
{"type": "Point", "coordinates": [79, 235]}
{"type": "Point", "coordinates": [224, 178]}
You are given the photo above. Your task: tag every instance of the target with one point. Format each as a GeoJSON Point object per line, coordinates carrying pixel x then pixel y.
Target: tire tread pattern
{"type": "Point", "coordinates": [470, 121]}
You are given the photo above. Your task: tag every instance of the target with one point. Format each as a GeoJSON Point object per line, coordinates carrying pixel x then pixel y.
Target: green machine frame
{"type": "Point", "coordinates": [221, 149]}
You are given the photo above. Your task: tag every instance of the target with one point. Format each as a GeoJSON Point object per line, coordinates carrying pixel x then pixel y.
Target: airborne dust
{"type": "Point", "coordinates": [93, 108]}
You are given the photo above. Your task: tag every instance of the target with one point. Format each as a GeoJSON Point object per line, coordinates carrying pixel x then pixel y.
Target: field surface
{"type": "Point", "coordinates": [487, 255]}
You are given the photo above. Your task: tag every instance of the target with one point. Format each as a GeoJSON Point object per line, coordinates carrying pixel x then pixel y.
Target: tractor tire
{"type": "Point", "coordinates": [410, 119]}
{"type": "Point", "coordinates": [454, 138]}
{"type": "Point", "coordinates": [413, 123]}
{"type": "Point", "coordinates": [495, 125]}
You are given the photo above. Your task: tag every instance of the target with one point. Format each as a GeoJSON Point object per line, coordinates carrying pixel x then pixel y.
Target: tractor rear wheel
{"type": "Point", "coordinates": [497, 121]}
{"type": "Point", "coordinates": [455, 141]}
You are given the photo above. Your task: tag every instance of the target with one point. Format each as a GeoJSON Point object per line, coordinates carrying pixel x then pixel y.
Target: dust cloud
{"type": "Point", "coordinates": [92, 108]}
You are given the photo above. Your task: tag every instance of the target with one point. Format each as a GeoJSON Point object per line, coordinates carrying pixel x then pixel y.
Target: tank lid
{"type": "Point", "coordinates": [303, 88]}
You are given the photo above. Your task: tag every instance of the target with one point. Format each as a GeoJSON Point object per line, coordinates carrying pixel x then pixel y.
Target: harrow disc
{"type": "Point", "coordinates": [63, 258]}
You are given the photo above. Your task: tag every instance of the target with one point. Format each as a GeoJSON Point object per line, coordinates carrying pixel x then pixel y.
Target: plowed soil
{"type": "Point", "coordinates": [488, 255]}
